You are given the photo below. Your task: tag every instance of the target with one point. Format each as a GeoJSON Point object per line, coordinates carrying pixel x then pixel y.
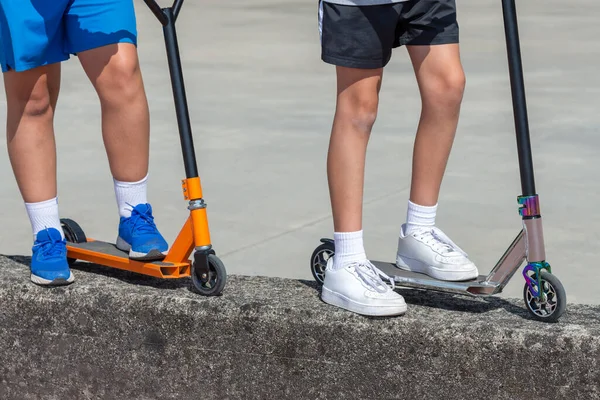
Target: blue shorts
{"type": "Point", "coordinates": [41, 32]}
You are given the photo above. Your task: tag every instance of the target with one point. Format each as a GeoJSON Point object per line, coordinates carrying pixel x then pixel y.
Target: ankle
{"type": "Point", "coordinates": [130, 194]}
{"type": "Point", "coordinates": [349, 248]}
{"type": "Point", "coordinates": [44, 215]}
{"type": "Point", "coordinates": [418, 216]}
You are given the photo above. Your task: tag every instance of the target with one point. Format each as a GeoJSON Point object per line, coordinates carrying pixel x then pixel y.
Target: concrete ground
{"type": "Point", "coordinates": [262, 104]}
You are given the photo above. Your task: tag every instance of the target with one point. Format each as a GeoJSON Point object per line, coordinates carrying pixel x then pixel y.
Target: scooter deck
{"type": "Point", "coordinates": [476, 287]}
{"type": "Point", "coordinates": [105, 253]}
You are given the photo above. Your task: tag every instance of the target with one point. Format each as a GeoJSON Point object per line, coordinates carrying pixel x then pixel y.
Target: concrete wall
{"type": "Point", "coordinates": [113, 335]}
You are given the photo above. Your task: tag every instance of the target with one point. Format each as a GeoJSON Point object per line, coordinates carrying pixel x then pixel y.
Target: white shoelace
{"type": "Point", "coordinates": [438, 240]}
{"type": "Point", "coordinates": [371, 276]}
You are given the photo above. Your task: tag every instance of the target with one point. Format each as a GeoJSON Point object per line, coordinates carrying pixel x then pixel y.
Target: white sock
{"type": "Point", "coordinates": [348, 248]}
{"type": "Point", "coordinates": [129, 195]}
{"type": "Point", "coordinates": [418, 216]}
{"type": "Point", "coordinates": [44, 215]}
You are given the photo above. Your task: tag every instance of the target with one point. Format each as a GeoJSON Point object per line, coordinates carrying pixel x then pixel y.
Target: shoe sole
{"type": "Point", "coordinates": [412, 265]}
{"type": "Point", "coordinates": [38, 280]}
{"type": "Point", "coordinates": [338, 300]}
{"type": "Point", "coordinates": [152, 255]}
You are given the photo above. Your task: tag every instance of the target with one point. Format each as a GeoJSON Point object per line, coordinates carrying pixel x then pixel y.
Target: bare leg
{"type": "Point", "coordinates": [356, 110]}
{"type": "Point", "coordinates": [31, 99]}
{"type": "Point", "coordinates": [441, 83]}
{"type": "Point", "coordinates": [115, 73]}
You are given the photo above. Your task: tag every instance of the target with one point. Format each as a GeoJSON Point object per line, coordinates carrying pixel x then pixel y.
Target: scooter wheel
{"type": "Point", "coordinates": [73, 234]}
{"type": "Point", "coordinates": [213, 283]}
{"type": "Point", "coordinates": [318, 260]}
{"type": "Point", "coordinates": [554, 299]}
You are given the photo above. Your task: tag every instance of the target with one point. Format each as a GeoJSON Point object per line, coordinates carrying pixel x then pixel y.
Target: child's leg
{"type": "Point", "coordinates": [441, 83]}
{"type": "Point", "coordinates": [31, 98]}
{"type": "Point", "coordinates": [359, 50]}
{"type": "Point", "coordinates": [356, 110]}
{"type": "Point", "coordinates": [30, 61]}
{"type": "Point", "coordinates": [114, 71]}
{"type": "Point", "coordinates": [435, 56]}
{"type": "Point", "coordinates": [104, 36]}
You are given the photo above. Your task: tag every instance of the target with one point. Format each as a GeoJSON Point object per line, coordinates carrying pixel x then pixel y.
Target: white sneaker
{"type": "Point", "coordinates": [358, 288]}
{"type": "Point", "coordinates": [428, 250]}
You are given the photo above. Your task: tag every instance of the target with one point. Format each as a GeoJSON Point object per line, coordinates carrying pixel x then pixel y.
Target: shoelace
{"type": "Point", "coordinates": [50, 249]}
{"type": "Point", "coordinates": [142, 222]}
{"type": "Point", "coordinates": [439, 241]}
{"type": "Point", "coordinates": [371, 276]}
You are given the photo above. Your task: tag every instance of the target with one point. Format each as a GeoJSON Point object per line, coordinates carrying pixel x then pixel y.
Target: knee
{"type": "Point", "coordinates": [121, 81]}
{"type": "Point", "coordinates": [361, 113]}
{"type": "Point", "coordinates": [36, 104]}
{"type": "Point", "coordinates": [445, 89]}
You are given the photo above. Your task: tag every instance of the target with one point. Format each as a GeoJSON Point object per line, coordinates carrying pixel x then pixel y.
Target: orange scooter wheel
{"type": "Point", "coordinates": [211, 282]}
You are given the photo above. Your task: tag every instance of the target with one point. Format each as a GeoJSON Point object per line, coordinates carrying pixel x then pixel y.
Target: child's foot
{"type": "Point", "coordinates": [49, 266]}
{"type": "Point", "coordinates": [139, 236]}
{"type": "Point", "coordinates": [429, 251]}
{"type": "Point", "coordinates": [358, 288]}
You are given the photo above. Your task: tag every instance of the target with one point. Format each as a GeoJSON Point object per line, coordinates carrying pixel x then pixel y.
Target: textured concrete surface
{"type": "Point", "coordinates": [120, 336]}
{"type": "Point", "coordinates": [262, 104]}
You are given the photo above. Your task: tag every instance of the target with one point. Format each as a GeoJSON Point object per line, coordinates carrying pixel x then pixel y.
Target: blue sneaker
{"type": "Point", "coordinates": [49, 266]}
{"type": "Point", "coordinates": [139, 236]}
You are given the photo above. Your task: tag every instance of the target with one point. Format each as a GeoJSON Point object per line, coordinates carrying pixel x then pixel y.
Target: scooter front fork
{"type": "Point", "coordinates": [535, 285]}
{"type": "Point", "coordinates": [192, 191]}
{"type": "Point", "coordinates": [534, 244]}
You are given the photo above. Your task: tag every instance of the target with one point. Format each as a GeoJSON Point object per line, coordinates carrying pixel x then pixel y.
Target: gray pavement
{"type": "Point", "coordinates": [262, 104]}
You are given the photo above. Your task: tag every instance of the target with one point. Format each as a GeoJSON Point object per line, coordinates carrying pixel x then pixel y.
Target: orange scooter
{"type": "Point", "coordinates": [207, 271]}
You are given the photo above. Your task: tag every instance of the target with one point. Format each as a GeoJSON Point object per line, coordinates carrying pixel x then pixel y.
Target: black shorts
{"type": "Point", "coordinates": [364, 36]}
